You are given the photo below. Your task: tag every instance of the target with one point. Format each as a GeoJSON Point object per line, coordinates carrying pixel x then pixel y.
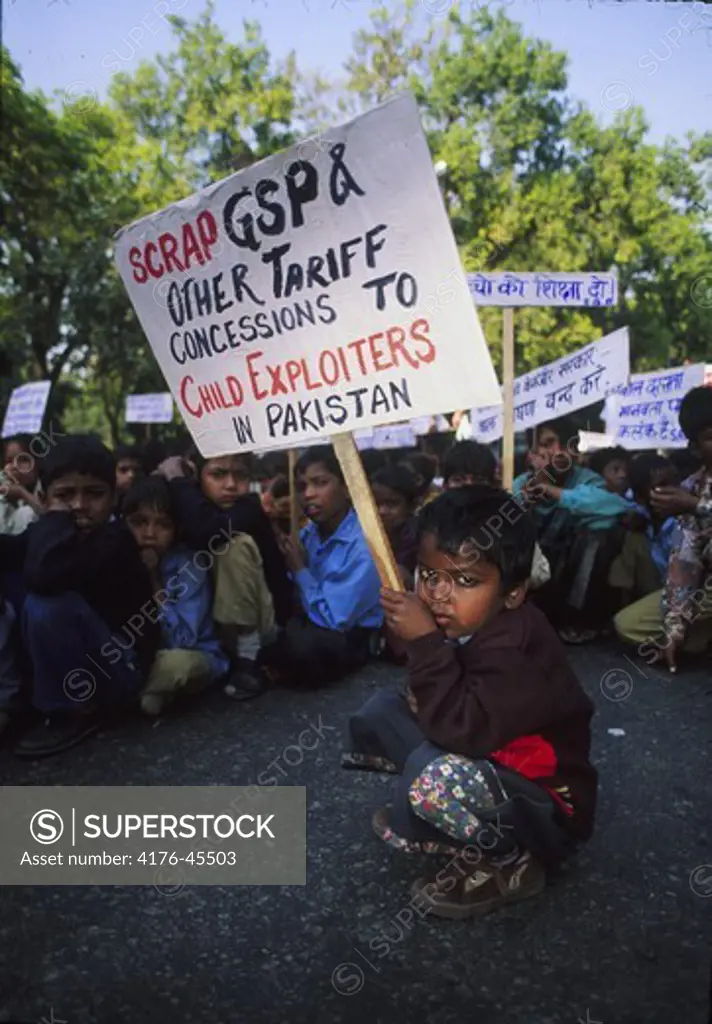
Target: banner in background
{"type": "Point", "coordinates": [643, 413]}
{"type": "Point", "coordinates": [26, 408]}
{"type": "Point", "coordinates": [507, 288]}
{"type": "Point", "coordinates": [316, 292]}
{"type": "Point", "coordinates": [156, 408]}
{"type": "Point", "coordinates": [570, 383]}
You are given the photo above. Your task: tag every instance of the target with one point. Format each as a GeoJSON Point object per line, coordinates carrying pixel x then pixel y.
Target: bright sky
{"type": "Point", "coordinates": [658, 55]}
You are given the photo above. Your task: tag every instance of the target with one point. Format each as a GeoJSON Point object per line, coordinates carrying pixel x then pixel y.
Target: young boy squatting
{"type": "Point", "coordinates": [493, 742]}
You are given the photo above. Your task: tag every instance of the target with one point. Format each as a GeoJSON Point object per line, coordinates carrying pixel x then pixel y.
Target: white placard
{"type": "Point", "coordinates": [318, 291]}
{"type": "Point", "coordinates": [591, 441]}
{"type": "Point", "coordinates": [643, 413]}
{"type": "Point", "coordinates": [509, 288]}
{"type": "Point", "coordinates": [157, 408]}
{"type": "Point", "coordinates": [570, 383]}
{"type": "Point", "coordinates": [422, 424]}
{"type": "Point", "coordinates": [26, 408]}
{"type": "Point", "coordinates": [398, 435]}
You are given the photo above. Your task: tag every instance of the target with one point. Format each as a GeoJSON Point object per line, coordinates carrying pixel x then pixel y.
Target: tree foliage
{"type": "Point", "coordinates": [533, 182]}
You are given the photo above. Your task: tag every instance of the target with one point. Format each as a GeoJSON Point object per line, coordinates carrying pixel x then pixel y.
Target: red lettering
{"type": "Point", "coordinates": [140, 275]}
{"type": "Point", "coordinates": [158, 271]}
{"type": "Point", "coordinates": [207, 231]}
{"type": "Point", "coordinates": [278, 386]}
{"type": "Point", "coordinates": [206, 398]}
{"type": "Point", "coordinates": [235, 388]}
{"type": "Point", "coordinates": [310, 384]}
{"type": "Point", "coordinates": [169, 245]}
{"type": "Point", "coordinates": [184, 397]}
{"type": "Point", "coordinates": [358, 345]}
{"type": "Point", "coordinates": [190, 246]}
{"type": "Point", "coordinates": [430, 352]}
{"type": "Point", "coordinates": [293, 369]}
{"type": "Point", "coordinates": [253, 374]}
{"type": "Point", "coordinates": [395, 336]}
{"type": "Point", "coordinates": [378, 353]}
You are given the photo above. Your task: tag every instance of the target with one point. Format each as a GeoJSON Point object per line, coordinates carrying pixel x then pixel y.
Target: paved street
{"type": "Point", "coordinates": [620, 938]}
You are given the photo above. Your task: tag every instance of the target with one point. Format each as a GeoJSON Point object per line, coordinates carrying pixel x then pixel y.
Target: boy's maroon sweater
{"type": "Point", "coordinates": [510, 695]}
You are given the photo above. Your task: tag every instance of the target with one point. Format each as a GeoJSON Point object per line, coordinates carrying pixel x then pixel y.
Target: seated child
{"type": "Point", "coordinates": [577, 520]}
{"type": "Point", "coordinates": [190, 657]}
{"type": "Point", "coordinates": [680, 616]}
{"type": "Point", "coordinates": [469, 462]}
{"type": "Point", "coordinates": [129, 467]}
{"type": "Point", "coordinates": [394, 490]}
{"type": "Point", "coordinates": [335, 576]}
{"type": "Point", "coordinates": [218, 512]}
{"type": "Point", "coordinates": [277, 503]}
{"type": "Point", "coordinates": [492, 741]}
{"type": "Point", "coordinates": [613, 464]}
{"type": "Point", "coordinates": [20, 501]}
{"type": "Point", "coordinates": [424, 467]}
{"type": "Point", "coordinates": [641, 567]}
{"type": "Point", "coordinates": [85, 584]}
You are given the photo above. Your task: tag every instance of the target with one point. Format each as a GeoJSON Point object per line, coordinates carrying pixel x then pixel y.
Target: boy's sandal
{"type": "Point", "coordinates": [571, 635]}
{"type": "Point", "coordinates": [478, 892]}
{"type": "Point", "coordinates": [379, 824]}
{"type": "Point", "coordinates": [368, 763]}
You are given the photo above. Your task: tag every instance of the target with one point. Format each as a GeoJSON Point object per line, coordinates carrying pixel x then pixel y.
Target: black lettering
{"type": "Point", "coordinates": [243, 429]}
{"type": "Point", "coordinates": [356, 394]}
{"type": "Point", "coordinates": [400, 394]}
{"type": "Point", "coordinates": [295, 279]}
{"type": "Point", "coordinates": [247, 239]}
{"type": "Point", "coordinates": [300, 194]}
{"type": "Point", "coordinates": [406, 285]}
{"type": "Point", "coordinates": [287, 319]}
{"type": "Point", "coordinates": [335, 405]}
{"type": "Point", "coordinates": [274, 413]}
{"type": "Point", "coordinates": [248, 331]}
{"type": "Point", "coordinates": [214, 334]}
{"type": "Point", "coordinates": [379, 283]}
{"type": "Point", "coordinates": [314, 265]}
{"type": "Point", "coordinates": [267, 187]}
{"type": "Point", "coordinates": [232, 338]}
{"type": "Point", "coordinates": [221, 303]}
{"type": "Point", "coordinates": [379, 399]}
{"type": "Point", "coordinates": [274, 256]}
{"type": "Point", "coordinates": [371, 246]}
{"type": "Point", "coordinates": [172, 345]}
{"type": "Point", "coordinates": [304, 418]}
{"type": "Point", "coordinates": [305, 313]}
{"type": "Point", "coordinates": [201, 339]}
{"type": "Point", "coordinates": [174, 304]}
{"type": "Point", "coordinates": [201, 292]}
{"type": "Point", "coordinates": [322, 304]}
{"type": "Point", "coordinates": [263, 327]}
{"type": "Point", "coordinates": [239, 273]}
{"type": "Point", "coordinates": [341, 181]}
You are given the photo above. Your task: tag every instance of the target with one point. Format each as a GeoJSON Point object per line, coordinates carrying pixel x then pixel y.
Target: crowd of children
{"type": "Point", "coordinates": [138, 578]}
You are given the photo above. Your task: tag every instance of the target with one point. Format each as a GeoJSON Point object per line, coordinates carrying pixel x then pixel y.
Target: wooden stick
{"type": "Point", "coordinates": [354, 474]}
{"type": "Point", "coordinates": [508, 421]}
{"type": "Point", "coordinates": [294, 513]}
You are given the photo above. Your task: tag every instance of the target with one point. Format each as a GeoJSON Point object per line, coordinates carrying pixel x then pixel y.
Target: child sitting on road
{"type": "Point", "coordinates": [492, 742]}
{"type": "Point", "coordinates": [191, 657]}
{"type": "Point", "coordinates": [85, 581]}
{"type": "Point", "coordinates": [218, 513]}
{"type": "Point", "coordinates": [680, 616]}
{"type": "Point", "coordinates": [335, 576]}
{"type": "Point", "coordinates": [641, 567]}
{"type": "Point", "coordinates": [613, 464]}
{"type": "Point", "coordinates": [394, 490]}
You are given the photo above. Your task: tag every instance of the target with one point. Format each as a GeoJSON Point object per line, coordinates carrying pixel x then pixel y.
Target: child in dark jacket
{"type": "Point", "coordinates": [219, 514]}
{"type": "Point", "coordinates": [191, 657]}
{"type": "Point", "coordinates": [395, 491]}
{"type": "Point", "coordinates": [492, 739]}
{"type": "Point", "coordinates": [88, 626]}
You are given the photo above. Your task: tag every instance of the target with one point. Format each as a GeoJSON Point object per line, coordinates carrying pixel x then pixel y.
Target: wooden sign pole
{"type": "Point", "coordinates": [508, 397]}
{"type": "Point", "coordinates": [293, 499]}
{"type": "Point", "coordinates": [355, 476]}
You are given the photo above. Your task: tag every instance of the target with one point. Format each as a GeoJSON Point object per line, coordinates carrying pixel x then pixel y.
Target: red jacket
{"type": "Point", "coordinates": [510, 695]}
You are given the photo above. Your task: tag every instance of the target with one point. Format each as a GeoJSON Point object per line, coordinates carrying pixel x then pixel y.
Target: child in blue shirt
{"type": "Point", "coordinates": [336, 579]}
{"type": "Point", "coordinates": [190, 657]}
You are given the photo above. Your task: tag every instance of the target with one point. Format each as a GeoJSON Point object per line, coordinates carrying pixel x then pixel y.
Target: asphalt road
{"type": "Point", "coordinates": [623, 936]}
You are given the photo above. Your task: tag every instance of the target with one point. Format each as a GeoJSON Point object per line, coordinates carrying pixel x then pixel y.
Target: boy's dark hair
{"type": "Point", "coordinates": [600, 459]}
{"type": "Point", "coordinates": [194, 455]}
{"type": "Point", "coordinates": [398, 478]}
{"type": "Point", "coordinates": [323, 453]}
{"type": "Point", "coordinates": [128, 451]}
{"type": "Point", "coordinates": [272, 465]}
{"type": "Point", "coordinates": [23, 440]}
{"type": "Point", "coordinates": [470, 458]}
{"type": "Point", "coordinates": [641, 471]}
{"type": "Point", "coordinates": [279, 487]}
{"type": "Point", "coordinates": [78, 453]}
{"type": "Point", "coordinates": [423, 466]}
{"type": "Point", "coordinates": [563, 427]}
{"type": "Point", "coordinates": [695, 412]}
{"type": "Point", "coordinates": [685, 460]}
{"type": "Point", "coordinates": [374, 459]}
{"type": "Point", "coordinates": [153, 454]}
{"type": "Point", "coordinates": [487, 523]}
{"type": "Point", "coordinates": [151, 492]}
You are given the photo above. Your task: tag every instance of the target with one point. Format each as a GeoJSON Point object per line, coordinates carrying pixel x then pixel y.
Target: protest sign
{"type": "Point", "coordinates": [569, 383]}
{"type": "Point", "coordinates": [508, 288]}
{"type": "Point", "coordinates": [398, 435]}
{"type": "Point", "coordinates": [311, 293]}
{"type": "Point", "coordinates": [592, 441]}
{"type": "Point", "coordinates": [644, 412]}
{"type": "Point", "coordinates": [149, 408]}
{"type": "Point", "coordinates": [26, 408]}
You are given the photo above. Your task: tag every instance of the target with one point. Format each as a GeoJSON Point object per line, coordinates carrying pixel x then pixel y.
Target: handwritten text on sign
{"type": "Point", "coordinates": [506, 288]}
{"type": "Point", "coordinates": [645, 411]}
{"type": "Point", "coordinates": [561, 387]}
{"type": "Point", "coordinates": [311, 293]}
{"type": "Point", "coordinates": [26, 408]}
{"type": "Point", "coordinates": [149, 408]}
